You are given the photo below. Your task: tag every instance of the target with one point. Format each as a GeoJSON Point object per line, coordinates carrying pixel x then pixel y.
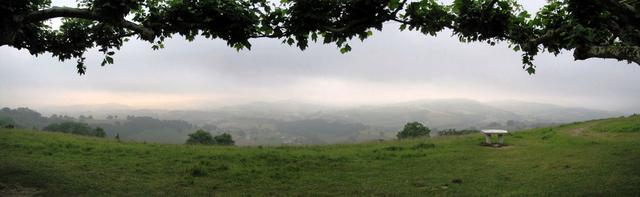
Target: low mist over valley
{"type": "Point", "coordinates": [288, 122]}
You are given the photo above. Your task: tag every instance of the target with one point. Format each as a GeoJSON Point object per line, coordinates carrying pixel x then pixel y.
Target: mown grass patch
{"type": "Point", "coordinates": [541, 162]}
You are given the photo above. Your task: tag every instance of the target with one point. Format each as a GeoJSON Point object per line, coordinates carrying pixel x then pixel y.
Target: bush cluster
{"type": "Point", "coordinates": [414, 129]}
{"type": "Point", "coordinates": [203, 137]}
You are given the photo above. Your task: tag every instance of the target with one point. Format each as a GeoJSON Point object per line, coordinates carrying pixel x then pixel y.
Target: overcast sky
{"type": "Point", "coordinates": [392, 66]}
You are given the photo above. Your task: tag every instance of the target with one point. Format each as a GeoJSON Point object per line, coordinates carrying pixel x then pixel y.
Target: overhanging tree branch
{"type": "Point", "coordinates": [629, 53]}
{"type": "Point", "coordinates": [57, 12]}
{"type": "Point", "coordinates": [607, 29]}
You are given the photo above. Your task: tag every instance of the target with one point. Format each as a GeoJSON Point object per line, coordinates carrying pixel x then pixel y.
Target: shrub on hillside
{"type": "Point", "coordinates": [414, 129]}
{"type": "Point", "coordinates": [200, 137]}
{"type": "Point", "coordinates": [449, 132]}
{"type": "Point", "coordinates": [423, 146]}
{"type": "Point", "coordinates": [197, 171]}
{"type": "Point", "coordinates": [203, 137]}
{"type": "Point", "coordinates": [223, 139]}
{"type": "Point", "coordinates": [99, 132]}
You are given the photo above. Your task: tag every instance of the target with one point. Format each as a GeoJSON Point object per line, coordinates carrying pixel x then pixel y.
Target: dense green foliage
{"type": "Point", "coordinates": [200, 137]}
{"type": "Point", "coordinates": [204, 137]}
{"type": "Point", "coordinates": [99, 132]}
{"type": "Point", "coordinates": [413, 130]}
{"type": "Point", "coordinates": [591, 28]}
{"type": "Point", "coordinates": [77, 128]}
{"type": "Point", "coordinates": [569, 160]}
{"type": "Point", "coordinates": [223, 139]}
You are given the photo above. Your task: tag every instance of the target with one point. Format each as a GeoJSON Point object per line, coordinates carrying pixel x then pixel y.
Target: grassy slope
{"type": "Point", "coordinates": [575, 159]}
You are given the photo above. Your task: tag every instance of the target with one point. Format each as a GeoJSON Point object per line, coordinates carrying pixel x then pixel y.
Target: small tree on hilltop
{"type": "Point", "coordinates": [203, 137]}
{"type": "Point", "coordinates": [224, 139]}
{"type": "Point", "coordinates": [413, 129]}
{"type": "Point", "coordinates": [200, 137]}
{"type": "Point", "coordinates": [99, 132]}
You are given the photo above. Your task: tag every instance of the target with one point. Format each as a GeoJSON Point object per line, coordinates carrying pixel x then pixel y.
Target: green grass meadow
{"type": "Point", "coordinates": [594, 158]}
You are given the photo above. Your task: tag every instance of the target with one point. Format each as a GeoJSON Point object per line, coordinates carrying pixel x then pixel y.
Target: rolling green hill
{"type": "Point", "coordinates": [595, 158]}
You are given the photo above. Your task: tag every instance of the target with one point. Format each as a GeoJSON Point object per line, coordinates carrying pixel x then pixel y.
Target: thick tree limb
{"type": "Point", "coordinates": [626, 5]}
{"type": "Point", "coordinates": [57, 12]}
{"type": "Point", "coordinates": [346, 27]}
{"type": "Point", "coordinates": [629, 53]}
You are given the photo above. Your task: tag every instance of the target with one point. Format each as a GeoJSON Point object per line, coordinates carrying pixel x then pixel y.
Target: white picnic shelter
{"type": "Point", "coordinates": [488, 132]}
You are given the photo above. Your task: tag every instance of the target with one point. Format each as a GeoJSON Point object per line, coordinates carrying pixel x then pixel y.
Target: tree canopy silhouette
{"type": "Point", "coordinates": [588, 28]}
{"type": "Point", "coordinates": [204, 137]}
{"type": "Point", "coordinates": [413, 130]}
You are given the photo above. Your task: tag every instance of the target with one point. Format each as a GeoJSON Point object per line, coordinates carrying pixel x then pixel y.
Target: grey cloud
{"type": "Point", "coordinates": [272, 70]}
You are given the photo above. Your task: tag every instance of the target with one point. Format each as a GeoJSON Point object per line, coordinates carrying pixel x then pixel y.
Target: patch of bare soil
{"type": "Point", "coordinates": [577, 131]}
{"type": "Point", "coordinates": [17, 191]}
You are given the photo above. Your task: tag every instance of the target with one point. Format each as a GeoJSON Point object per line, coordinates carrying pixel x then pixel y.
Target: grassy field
{"type": "Point", "coordinates": [595, 158]}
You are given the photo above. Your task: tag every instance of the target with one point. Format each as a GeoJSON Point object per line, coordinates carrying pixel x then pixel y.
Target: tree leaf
{"type": "Point", "coordinates": [394, 4]}
{"type": "Point", "coordinates": [345, 49]}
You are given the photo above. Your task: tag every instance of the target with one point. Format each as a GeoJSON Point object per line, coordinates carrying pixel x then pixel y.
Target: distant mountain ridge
{"type": "Point", "coordinates": [303, 123]}
{"type": "Point", "coordinates": [436, 112]}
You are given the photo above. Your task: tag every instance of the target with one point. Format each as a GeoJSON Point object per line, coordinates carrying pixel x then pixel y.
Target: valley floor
{"type": "Point", "coordinates": [595, 158]}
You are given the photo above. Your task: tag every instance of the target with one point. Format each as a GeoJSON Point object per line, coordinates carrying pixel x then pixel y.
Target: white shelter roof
{"type": "Point", "coordinates": [492, 131]}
